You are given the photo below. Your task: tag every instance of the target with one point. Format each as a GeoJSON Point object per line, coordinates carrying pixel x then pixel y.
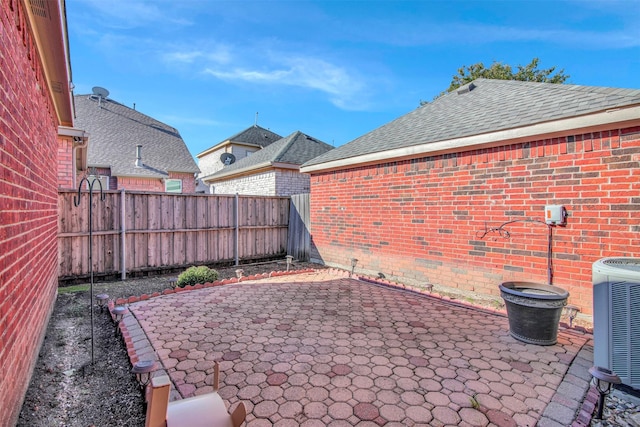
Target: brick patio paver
{"type": "Point", "coordinates": [322, 350]}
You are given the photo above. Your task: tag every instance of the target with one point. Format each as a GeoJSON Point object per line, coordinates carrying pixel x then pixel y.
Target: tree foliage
{"type": "Point", "coordinates": [500, 71]}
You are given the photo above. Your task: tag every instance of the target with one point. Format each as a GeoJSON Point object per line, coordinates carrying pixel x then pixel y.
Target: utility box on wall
{"type": "Point", "coordinates": [555, 215]}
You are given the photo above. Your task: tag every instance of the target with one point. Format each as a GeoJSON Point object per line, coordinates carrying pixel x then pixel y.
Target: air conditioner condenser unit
{"type": "Point", "coordinates": [616, 317]}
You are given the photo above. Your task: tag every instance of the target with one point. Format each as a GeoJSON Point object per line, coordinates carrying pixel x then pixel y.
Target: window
{"type": "Point", "coordinates": [173, 185]}
{"type": "Point", "coordinates": [104, 180]}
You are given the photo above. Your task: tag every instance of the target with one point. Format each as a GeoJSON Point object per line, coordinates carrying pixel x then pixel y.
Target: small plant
{"type": "Point", "coordinates": [474, 402]}
{"type": "Point", "coordinates": [196, 275]}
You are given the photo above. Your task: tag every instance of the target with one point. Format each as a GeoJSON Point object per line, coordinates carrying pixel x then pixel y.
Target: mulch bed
{"type": "Point", "coordinates": [66, 389]}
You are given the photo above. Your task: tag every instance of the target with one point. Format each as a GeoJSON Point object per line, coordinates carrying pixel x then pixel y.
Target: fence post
{"type": "Point", "coordinates": [237, 231]}
{"type": "Point", "coordinates": [123, 237]}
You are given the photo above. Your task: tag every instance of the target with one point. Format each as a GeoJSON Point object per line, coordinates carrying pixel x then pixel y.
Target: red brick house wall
{"type": "Point", "coordinates": [423, 220]}
{"type": "Point", "coordinates": [188, 181]}
{"type": "Point", "coordinates": [28, 207]}
{"type": "Point", "coordinates": [65, 162]}
{"type": "Point", "coordinates": [156, 184]}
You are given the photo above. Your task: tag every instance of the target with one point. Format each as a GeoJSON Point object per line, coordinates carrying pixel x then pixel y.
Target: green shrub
{"type": "Point", "coordinates": [195, 275]}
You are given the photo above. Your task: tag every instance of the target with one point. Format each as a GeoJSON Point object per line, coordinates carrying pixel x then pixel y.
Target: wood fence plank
{"type": "Point", "coordinates": [165, 230]}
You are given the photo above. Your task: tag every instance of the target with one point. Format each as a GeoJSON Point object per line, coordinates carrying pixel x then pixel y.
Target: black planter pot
{"type": "Point", "coordinates": [534, 311]}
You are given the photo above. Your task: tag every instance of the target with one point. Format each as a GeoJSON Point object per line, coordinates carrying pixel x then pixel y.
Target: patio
{"type": "Point", "coordinates": [319, 349]}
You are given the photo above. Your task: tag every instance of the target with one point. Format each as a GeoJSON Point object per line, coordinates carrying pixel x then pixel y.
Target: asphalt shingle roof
{"type": "Point", "coordinates": [255, 135]}
{"type": "Point", "coordinates": [490, 105]}
{"type": "Point", "coordinates": [115, 130]}
{"type": "Point", "coordinates": [294, 149]}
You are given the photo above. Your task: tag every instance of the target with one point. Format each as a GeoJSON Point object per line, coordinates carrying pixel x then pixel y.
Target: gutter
{"type": "Point", "coordinates": [249, 170]}
{"type": "Point", "coordinates": [625, 116]}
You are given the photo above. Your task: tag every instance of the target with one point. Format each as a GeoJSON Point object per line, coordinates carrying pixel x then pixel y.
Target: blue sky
{"type": "Point", "coordinates": [332, 69]}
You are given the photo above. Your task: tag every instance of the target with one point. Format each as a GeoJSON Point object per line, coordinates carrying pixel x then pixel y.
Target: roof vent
{"type": "Point", "coordinates": [466, 88]}
{"type": "Point", "coordinates": [139, 156]}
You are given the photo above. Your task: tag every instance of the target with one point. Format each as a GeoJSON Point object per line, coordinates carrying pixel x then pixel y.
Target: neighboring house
{"type": "Point", "coordinates": [234, 148]}
{"type": "Point", "coordinates": [419, 199]}
{"type": "Point", "coordinates": [133, 151]}
{"type": "Point", "coordinates": [272, 171]}
{"type": "Point", "coordinates": [37, 134]}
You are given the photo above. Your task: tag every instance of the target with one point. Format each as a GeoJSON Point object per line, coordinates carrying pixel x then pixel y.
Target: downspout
{"type": "Point", "coordinates": [78, 143]}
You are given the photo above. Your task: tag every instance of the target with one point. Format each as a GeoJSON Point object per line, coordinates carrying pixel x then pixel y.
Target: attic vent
{"type": "Point", "coordinates": [56, 86]}
{"type": "Point", "coordinates": [40, 8]}
{"type": "Point", "coordinates": [465, 89]}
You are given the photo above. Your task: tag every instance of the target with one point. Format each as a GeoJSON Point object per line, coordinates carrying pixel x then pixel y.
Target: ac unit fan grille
{"type": "Point", "coordinates": [630, 264]}
{"type": "Point", "coordinates": [625, 330]}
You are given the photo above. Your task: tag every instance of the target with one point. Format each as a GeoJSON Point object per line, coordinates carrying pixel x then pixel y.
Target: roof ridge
{"type": "Point", "coordinates": [91, 98]}
{"type": "Point", "coordinates": [292, 137]}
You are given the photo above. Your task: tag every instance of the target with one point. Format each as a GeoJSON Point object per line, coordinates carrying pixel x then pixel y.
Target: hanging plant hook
{"type": "Point", "coordinates": [76, 202]}
{"type": "Point", "coordinates": [504, 233]}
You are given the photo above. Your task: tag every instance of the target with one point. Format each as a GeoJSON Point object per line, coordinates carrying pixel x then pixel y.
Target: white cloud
{"type": "Point", "coordinates": [218, 55]}
{"type": "Point", "coordinates": [345, 89]}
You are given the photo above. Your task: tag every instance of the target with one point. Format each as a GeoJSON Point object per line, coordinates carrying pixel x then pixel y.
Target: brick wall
{"type": "Point", "coordinates": [188, 181]}
{"type": "Point", "coordinates": [153, 184]}
{"type": "Point", "coordinates": [260, 184]}
{"type": "Point", "coordinates": [28, 208]}
{"type": "Point", "coordinates": [276, 182]}
{"type": "Point", "coordinates": [423, 220]}
{"type": "Point", "coordinates": [210, 163]}
{"type": "Point", "coordinates": [139, 184]}
{"type": "Point", "coordinates": [289, 182]}
{"type": "Point", "coordinates": [65, 162]}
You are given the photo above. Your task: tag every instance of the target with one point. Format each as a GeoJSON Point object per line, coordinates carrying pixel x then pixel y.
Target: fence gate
{"type": "Point", "coordinates": [299, 240]}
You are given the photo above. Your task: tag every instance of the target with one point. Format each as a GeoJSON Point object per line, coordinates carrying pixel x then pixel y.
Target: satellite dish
{"type": "Point", "coordinates": [227, 158]}
{"type": "Point", "coordinates": [100, 92]}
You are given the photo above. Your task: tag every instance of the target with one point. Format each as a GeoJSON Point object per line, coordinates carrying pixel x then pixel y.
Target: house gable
{"type": "Point", "coordinates": [273, 170]}
{"type": "Point", "coordinates": [241, 145]}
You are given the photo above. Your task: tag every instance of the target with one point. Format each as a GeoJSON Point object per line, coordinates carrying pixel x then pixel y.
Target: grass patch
{"type": "Point", "coordinates": [72, 289]}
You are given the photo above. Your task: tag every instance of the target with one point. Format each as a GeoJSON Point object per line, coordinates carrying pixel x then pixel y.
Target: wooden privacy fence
{"type": "Point", "coordinates": [140, 231]}
{"type": "Point", "coordinates": [299, 241]}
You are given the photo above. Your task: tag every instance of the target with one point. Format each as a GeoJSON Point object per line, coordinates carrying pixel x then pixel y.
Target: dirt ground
{"type": "Point", "coordinates": [66, 389]}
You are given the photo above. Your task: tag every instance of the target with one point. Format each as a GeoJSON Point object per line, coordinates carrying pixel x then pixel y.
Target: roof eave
{"type": "Point", "coordinates": [50, 35]}
{"type": "Point", "coordinates": [236, 173]}
{"type": "Point", "coordinates": [224, 144]}
{"type": "Point", "coordinates": [624, 116]}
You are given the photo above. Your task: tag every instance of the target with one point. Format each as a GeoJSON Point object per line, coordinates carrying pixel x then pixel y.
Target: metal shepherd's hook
{"type": "Point", "coordinates": [76, 203]}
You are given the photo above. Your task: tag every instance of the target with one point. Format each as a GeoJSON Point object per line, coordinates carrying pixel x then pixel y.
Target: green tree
{"type": "Point", "coordinates": [500, 71]}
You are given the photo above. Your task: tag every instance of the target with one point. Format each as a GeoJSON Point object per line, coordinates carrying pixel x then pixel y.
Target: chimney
{"type": "Point", "coordinates": [139, 156]}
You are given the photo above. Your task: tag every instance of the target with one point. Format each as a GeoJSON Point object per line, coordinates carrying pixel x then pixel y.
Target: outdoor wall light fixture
{"type": "Point", "coordinates": [144, 370]}
{"type": "Point", "coordinates": [571, 311]}
{"type": "Point", "coordinates": [101, 301]}
{"type": "Point", "coordinates": [289, 261]}
{"type": "Point", "coordinates": [603, 379]}
{"type": "Point", "coordinates": [118, 315]}
{"type": "Point", "coordinates": [354, 261]}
